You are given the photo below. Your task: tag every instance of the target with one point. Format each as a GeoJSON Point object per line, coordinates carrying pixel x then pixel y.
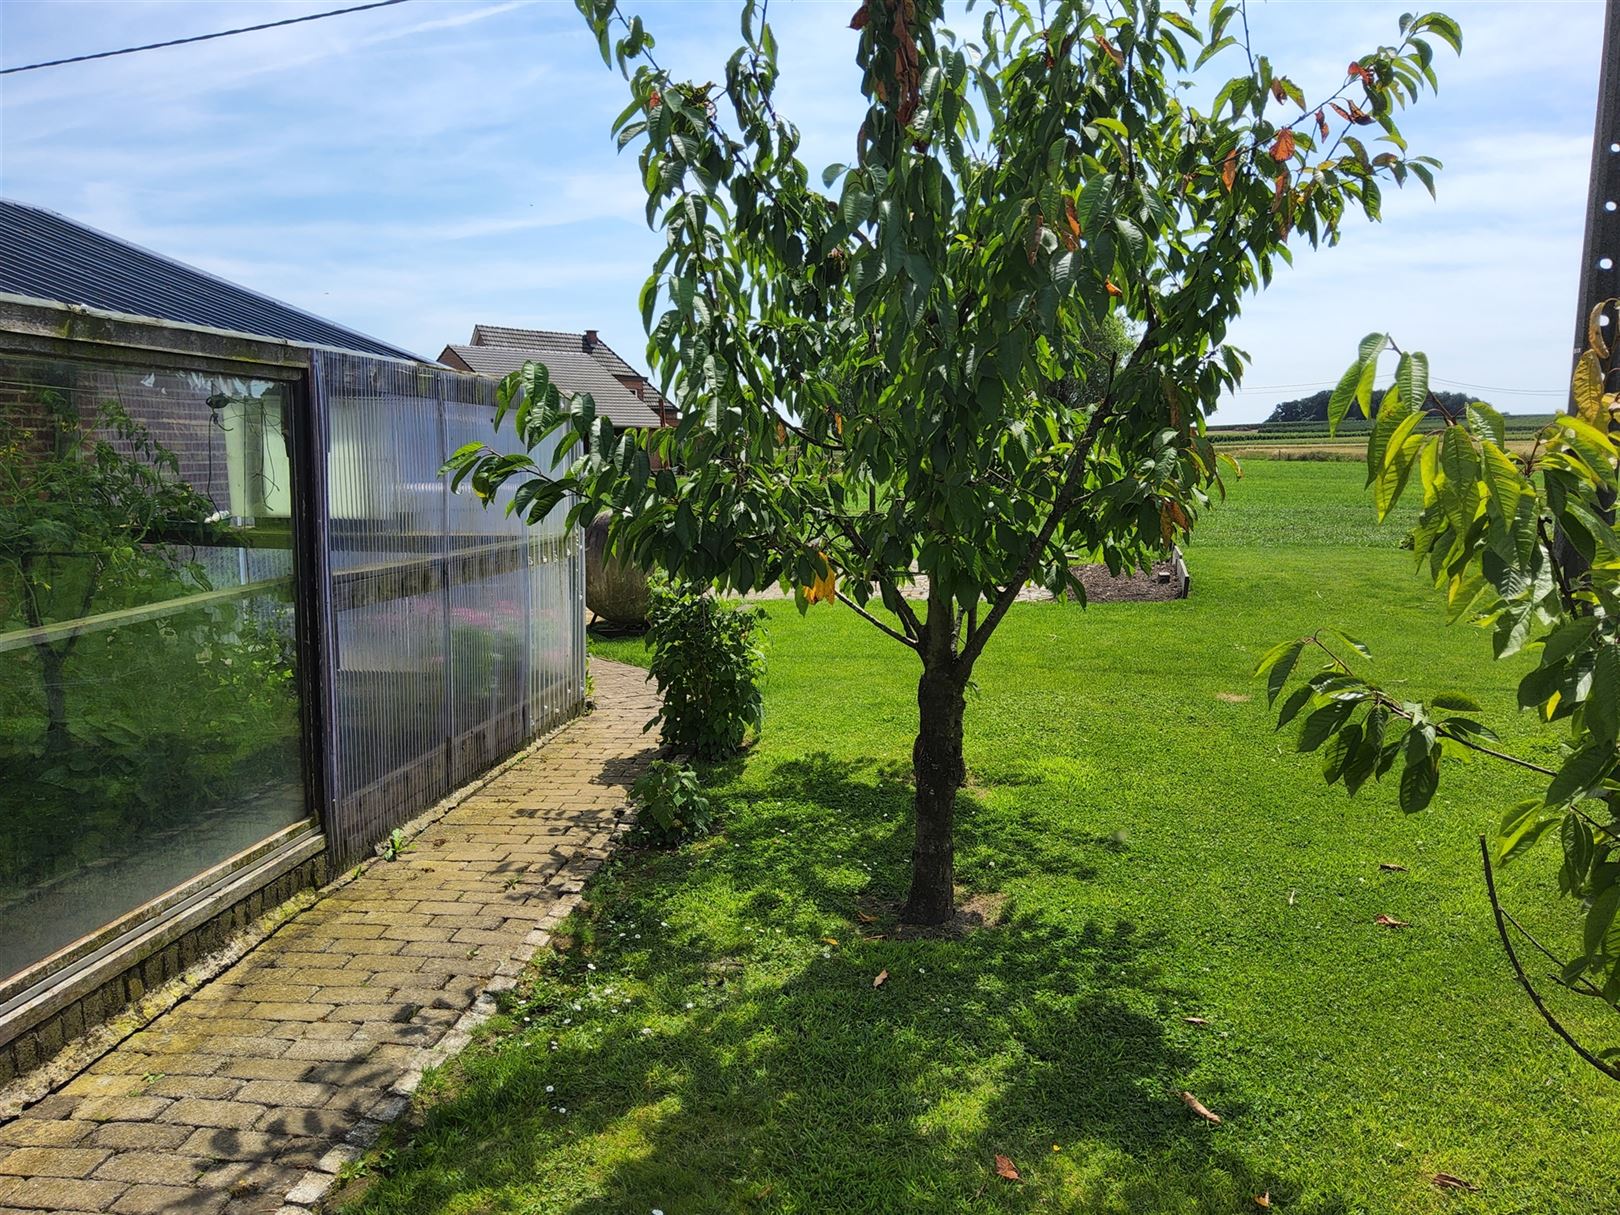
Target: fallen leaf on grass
{"type": "Point", "coordinates": [864, 918]}
{"type": "Point", "coordinates": [1263, 1200]}
{"type": "Point", "coordinates": [1389, 921]}
{"type": "Point", "coordinates": [1004, 1168]}
{"type": "Point", "coordinates": [1391, 867]}
{"type": "Point", "coordinates": [829, 940]}
{"type": "Point", "coordinates": [1202, 1110]}
{"type": "Point", "coordinates": [1446, 1181]}
{"type": "Point", "coordinates": [882, 978]}
{"type": "Point", "coordinates": [1293, 897]}
{"type": "Point", "coordinates": [1195, 1021]}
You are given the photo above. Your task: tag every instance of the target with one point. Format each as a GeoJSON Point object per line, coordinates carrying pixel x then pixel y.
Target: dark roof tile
{"type": "Point", "coordinates": [573, 371]}
{"type": "Point", "coordinates": [47, 256]}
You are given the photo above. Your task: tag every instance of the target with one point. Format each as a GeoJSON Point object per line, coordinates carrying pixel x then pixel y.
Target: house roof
{"type": "Point", "coordinates": [47, 256]}
{"type": "Point", "coordinates": [571, 373]}
{"type": "Point", "coordinates": [499, 350]}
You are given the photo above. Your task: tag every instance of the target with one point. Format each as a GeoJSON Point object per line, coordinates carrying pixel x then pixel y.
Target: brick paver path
{"type": "Point", "coordinates": [248, 1096]}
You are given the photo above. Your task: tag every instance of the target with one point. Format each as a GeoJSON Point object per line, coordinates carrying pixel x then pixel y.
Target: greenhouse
{"type": "Point", "coordinates": [245, 632]}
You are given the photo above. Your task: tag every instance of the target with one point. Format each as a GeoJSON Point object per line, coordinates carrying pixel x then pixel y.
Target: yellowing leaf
{"type": "Point", "coordinates": [1588, 387]}
{"type": "Point", "coordinates": [882, 978]}
{"type": "Point", "coordinates": [1229, 170]}
{"type": "Point", "coordinates": [825, 588]}
{"type": "Point", "coordinates": [1594, 329]}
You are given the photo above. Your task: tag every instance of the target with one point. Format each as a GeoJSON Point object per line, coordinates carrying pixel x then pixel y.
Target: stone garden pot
{"type": "Point", "coordinates": [615, 589]}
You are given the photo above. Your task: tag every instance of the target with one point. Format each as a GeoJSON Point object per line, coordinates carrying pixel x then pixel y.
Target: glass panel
{"type": "Point", "coordinates": [149, 713]}
{"type": "Point", "coordinates": [459, 629]}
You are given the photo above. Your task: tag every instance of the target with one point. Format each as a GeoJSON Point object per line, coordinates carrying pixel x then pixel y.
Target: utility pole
{"type": "Point", "coordinates": [1600, 251]}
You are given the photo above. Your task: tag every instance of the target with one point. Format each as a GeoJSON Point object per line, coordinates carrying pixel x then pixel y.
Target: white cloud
{"type": "Point", "coordinates": [412, 170]}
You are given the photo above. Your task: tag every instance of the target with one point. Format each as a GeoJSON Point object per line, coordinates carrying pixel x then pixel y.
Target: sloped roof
{"type": "Point", "coordinates": [534, 339]}
{"type": "Point", "coordinates": [573, 372]}
{"type": "Point", "coordinates": [500, 349]}
{"type": "Point", "coordinates": [47, 256]}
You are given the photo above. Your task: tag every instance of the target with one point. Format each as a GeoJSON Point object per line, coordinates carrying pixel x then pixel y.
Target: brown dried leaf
{"type": "Point", "coordinates": [1112, 51]}
{"type": "Point", "coordinates": [1263, 1201]}
{"type": "Point", "coordinates": [1283, 149]}
{"type": "Point", "coordinates": [1202, 1110]}
{"type": "Point", "coordinates": [1229, 170]}
{"type": "Point", "coordinates": [858, 21]}
{"type": "Point", "coordinates": [864, 918]}
{"type": "Point", "coordinates": [1389, 921]}
{"type": "Point", "coordinates": [1446, 1181]}
{"type": "Point", "coordinates": [1071, 236]}
{"type": "Point", "coordinates": [1391, 867]}
{"type": "Point", "coordinates": [882, 978]}
{"type": "Point", "coordinates": [1195, 1020]}
{"type": "Point", "coordinates": [1278, 91]}
{"type": "Point", "coordinates": [1322, 124]}
{"type": "Point", "coordinates": [1005, 1168]}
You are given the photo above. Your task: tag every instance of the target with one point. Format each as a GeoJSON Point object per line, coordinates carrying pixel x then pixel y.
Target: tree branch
{"type": "Point", "coordinates": [1060, 506]}
{"type": "Point", "coordinates": [874, 621]}
{"type": "Point", "coordinates": [1608, 1069]}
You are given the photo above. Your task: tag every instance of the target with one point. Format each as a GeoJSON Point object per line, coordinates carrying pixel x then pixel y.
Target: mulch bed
{"type": "Point", "coordinates": [1156, 586]}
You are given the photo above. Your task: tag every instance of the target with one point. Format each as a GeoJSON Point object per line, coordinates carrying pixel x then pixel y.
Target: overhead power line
{"type": "Point", "coordinates": [153, 46]}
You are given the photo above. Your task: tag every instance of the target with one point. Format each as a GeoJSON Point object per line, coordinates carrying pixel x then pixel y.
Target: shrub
{"type": "Point", "coordinates": [673, 807]}
{"type": "Point", "coordinates": [708, 662]}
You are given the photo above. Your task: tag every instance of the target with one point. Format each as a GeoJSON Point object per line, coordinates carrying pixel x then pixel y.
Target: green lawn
{"type": "Point", "coordinates": [717, 1042]}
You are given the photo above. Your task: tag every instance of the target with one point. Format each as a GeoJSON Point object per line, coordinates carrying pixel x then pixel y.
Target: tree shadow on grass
{"type": "Point", "coordinates": [760, 1068]}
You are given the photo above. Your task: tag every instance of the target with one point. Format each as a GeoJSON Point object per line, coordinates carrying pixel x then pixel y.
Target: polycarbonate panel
{"type": "Point", "coordinates": [439, 660]}
{"type": "Point", "coordinates": [149, 694]}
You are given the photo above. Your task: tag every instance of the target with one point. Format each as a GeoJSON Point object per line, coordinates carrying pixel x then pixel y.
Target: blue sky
{"type": "Point", "coordinates": [416, 169]}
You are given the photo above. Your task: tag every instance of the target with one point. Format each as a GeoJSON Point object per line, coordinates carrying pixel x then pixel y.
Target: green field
{"type": "Point", "coordinates": [1149, 851]}
{"type": "Point", "coordinates": [1347, 441]}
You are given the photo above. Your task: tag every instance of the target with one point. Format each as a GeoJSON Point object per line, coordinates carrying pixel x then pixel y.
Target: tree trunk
{"type": "Point", "coordinates": [54, 684]}
{"type": "Point", "coordinates": [937, 764]}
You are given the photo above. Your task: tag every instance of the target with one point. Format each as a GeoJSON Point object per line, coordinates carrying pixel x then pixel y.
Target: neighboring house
{"type": "Point", "coordinates": [240, 695]}
{"type": "Point", "coordinates": [577, 362]}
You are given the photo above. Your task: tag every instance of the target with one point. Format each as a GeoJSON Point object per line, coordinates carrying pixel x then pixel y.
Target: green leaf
{"type": "Point", "coordinates": [1358, 646]}
{"type": "Point", "coordinates": [1404, 447]}
{"type": "Point", "coordinates": [1421, 776]}
{"type": "Point", "coordinates": [1297, 700]}
{"type": "Point", "coordinates": [1343, 395]}
{"type": "Point", "coordinates": [1580, 772]}
{"type": "Point", "coordinates": [1600, 923]}
{"type": "Point", "coordinates": [1455, 701]}
{"type": "Point", "coordinates": [1412, 377]}
{"type": "Point", "coordinates": [1503, 483]}
{"type": "Point", "coordinates": [1602, 713]}
{"type": "Point", "coordinates": [1324, 723]}
{"type": "Point", "coordinates": [1391, 413]}
{"type": "Point", "coordinates": [1522, 826]}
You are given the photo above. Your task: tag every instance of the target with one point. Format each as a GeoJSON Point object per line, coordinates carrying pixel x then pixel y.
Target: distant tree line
{"type": "Point", "coordinates": [1314, 408]}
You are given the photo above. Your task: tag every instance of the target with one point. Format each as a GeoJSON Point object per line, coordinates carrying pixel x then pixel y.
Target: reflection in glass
{"type": "Point", "coordinates": [149, 716]}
